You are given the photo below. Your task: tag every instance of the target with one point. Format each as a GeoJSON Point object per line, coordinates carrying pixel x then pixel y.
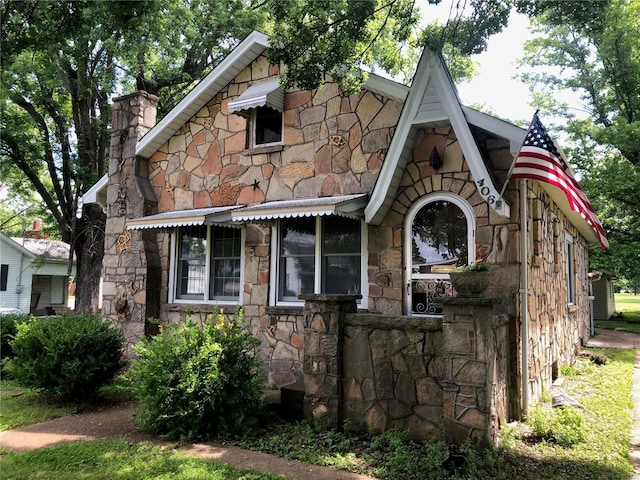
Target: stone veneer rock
{"type": "Point", "coordinates": [333, 144]}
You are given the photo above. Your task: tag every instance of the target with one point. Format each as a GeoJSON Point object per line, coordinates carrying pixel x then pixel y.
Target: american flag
{"type": "Point", "coordinates": [540, 160]}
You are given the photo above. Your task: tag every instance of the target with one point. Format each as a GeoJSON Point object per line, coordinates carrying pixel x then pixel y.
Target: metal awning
{"type": "Point", "coordinates": [264, 94]}
{"type": "Point", "coordinates": [351, 206]}
{"type": "Point", "coordinates": [182, 218]}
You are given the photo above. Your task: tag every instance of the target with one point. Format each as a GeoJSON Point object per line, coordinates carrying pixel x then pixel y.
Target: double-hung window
{"type": "Point", "coordinates": [208, 264]}
{"type": "Point", "coordinates": [319, 255]}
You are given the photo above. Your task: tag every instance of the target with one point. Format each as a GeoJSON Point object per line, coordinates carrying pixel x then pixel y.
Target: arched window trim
{"type": "Point", "coordinates": [466, 209]}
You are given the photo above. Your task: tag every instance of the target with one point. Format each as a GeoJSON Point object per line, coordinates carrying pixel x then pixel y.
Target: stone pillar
{"type": "Point", "coordinates": [131, 264]}
{"type": "Point", "coordinates": [469, 353]}
{"type": "Point", "coordinates": [323, 366]}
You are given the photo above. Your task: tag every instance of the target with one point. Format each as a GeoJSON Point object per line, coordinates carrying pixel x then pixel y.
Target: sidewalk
{"type": "Point", "coordinates": [614, 339]}
{"type": "Point", "coordinates": [117, 422]}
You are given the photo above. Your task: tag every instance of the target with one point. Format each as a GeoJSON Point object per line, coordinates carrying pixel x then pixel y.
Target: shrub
{"type": "Point", "coordinates": [198, 381]}
{"type": "Point", "coordinates": [8, 329]}
{"type": "Point", "coordinates": [72, 355]}
{"type": "Point", "coordinates": [564, 426]}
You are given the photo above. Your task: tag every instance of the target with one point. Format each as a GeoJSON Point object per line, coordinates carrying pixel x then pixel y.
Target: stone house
{"type": "Point", "coordinates": [291, 203]}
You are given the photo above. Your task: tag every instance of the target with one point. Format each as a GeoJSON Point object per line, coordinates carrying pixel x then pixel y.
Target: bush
{"type": "Point", "coordinates": [198, 381]}
{"type": "Point", "coordinates": [8, 329]}
{"type": "Point", "coordinates": [564, 426]}
{"type": "Point", "coordinates": [72, 355]}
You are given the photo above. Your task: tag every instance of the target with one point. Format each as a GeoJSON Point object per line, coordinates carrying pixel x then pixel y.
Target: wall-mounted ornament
{"type": "Point", "coordinates": [337, 140]}
{"type": "Point", "coordinates": [123, 244]}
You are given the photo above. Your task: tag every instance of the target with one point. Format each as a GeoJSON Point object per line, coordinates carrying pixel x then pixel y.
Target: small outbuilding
{"type": "Point", "coordinates": [604, 303]}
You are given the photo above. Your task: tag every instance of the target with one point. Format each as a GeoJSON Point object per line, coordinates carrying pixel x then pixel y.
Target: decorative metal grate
{"type": "Point", "coordinates": [425, 294]}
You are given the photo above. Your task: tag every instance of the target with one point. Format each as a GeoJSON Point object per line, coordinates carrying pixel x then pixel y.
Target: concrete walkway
{"type": "Point", "coordinates": [614, 339]}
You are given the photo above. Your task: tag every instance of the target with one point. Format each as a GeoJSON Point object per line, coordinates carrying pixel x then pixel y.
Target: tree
{"type": "Point", "coordinates": [62, 61]}
{"type": "Point", "coordinates": [594, 47]}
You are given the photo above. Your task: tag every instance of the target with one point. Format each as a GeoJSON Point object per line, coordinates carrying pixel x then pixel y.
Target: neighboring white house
{"type": "Point", "coordinates": [34, 275]}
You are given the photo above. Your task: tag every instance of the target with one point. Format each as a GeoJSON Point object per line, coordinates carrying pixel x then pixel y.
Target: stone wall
{"type": "Point", "coordinates": [434, 378]}
{"type": "Point", "coordinates": [556, 328]}
{"type": "Point", "coordinates": [131, 264]}
{"type": "Point", "coordinates": [333, 144]}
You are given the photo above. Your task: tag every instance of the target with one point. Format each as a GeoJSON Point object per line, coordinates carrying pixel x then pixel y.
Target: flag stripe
{"type": "Point", "coordinates": [540, 160]}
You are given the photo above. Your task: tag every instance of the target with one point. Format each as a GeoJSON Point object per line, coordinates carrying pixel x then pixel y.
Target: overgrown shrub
{"type": "Point", "coordinates": [564, 426]}
{"type": "Point", "coordinates": [8, 329]}
{"type": "Point", "coordinates": [198, 381]}
{"type": "Point", "coordinates": [72, 356]}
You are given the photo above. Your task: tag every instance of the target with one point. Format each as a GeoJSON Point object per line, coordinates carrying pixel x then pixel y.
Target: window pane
{"type": "Point", "coordinates": [191, 272]}
{"type": "Point", "coordinates": [297, 257]}
{"type": "Point", "coordinates": [268, 126]}
{"type": "Point", "coordinates": [440, 237]}
{"type": "Point", "coordinates": [341, 255]}
{"type": "Point", "coordinates": [225, 263]}
{"type": "Point", "coordinates": [342, 274]}
{"type": "Point", "coordinates": [298, 236]}
{"type": "Point", "coordinates": [341, 235]}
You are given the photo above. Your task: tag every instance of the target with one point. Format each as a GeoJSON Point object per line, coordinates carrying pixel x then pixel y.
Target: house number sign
{"type": "Point", "coordinates": [489, 194]}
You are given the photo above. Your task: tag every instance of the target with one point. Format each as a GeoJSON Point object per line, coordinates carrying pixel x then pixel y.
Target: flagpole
{"type": "Point", "coordinates": [513, 163]}
{"type": "Point", "coordinates": [524, 290]}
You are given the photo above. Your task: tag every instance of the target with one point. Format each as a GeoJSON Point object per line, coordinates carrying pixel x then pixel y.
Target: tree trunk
{"type": "Point", "coordinates": [89, 250]}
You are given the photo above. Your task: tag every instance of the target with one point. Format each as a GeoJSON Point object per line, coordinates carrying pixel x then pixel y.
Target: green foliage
{"type": "Point", "coordinates": [8, 329]}
{"type": "Point", "coordinates": [119, 459]}
{"type": "Point", "coordinates": [198, 381]}
{"type": "Point", "coordinates": [564, 426]}
{"type": "Point", "coordinates": [593, 48]}
{"type": "Point", "coordinates": [340, 37]}
{"type": "Point", "coordinates": [72, 356]}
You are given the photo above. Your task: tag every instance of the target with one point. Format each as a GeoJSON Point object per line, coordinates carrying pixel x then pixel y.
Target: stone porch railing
{"type": "Point", "coordinates": [433, 377]}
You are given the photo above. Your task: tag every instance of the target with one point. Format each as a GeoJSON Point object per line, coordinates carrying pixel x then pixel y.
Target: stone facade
{"type": "Point", "coordinates": [336, 144]}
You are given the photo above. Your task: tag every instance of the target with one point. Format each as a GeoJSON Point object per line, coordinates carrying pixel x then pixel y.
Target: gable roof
{"type": "Point", "coordinates": [54, 251]}
{"type": "Point", "coordinates": [433, 101]}
{"type": "Point", "coordinates": [239, 59]}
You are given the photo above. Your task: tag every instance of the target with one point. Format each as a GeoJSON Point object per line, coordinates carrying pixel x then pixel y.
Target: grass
{"type": "Point", "coordinates": [628, 305]}
{"type": "Point", "coordinates": [31, 407]}
{"type": "Point", "coordinates": [117, 460]}
{"type": "Point", "coordinates": [587, 444]}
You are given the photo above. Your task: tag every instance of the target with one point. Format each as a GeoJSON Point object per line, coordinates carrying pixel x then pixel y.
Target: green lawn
{"type": "Point", "coordinates": [628, 305]}
{"type": "Point", "coordinates": [605, 430]}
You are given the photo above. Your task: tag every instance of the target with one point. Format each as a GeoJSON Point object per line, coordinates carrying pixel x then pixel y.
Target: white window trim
{"type": "Point", "coordinates": [411, 214]}
{"type": "Point", "coordinates": [252, 130]}
{"type": "Point", "coordinates": [173, 269]}
{"type": "Point", "coordinates": [275, 265]}
{"type": "Point", "coordinates": [570, 272]}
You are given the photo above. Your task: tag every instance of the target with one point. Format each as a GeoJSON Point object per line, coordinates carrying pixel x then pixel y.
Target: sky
{"type": "Point", "coordinates": [495, 86]}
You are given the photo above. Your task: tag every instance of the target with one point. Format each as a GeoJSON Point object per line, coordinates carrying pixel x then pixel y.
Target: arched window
{"type": "Point", "coordinates": [439, 235]}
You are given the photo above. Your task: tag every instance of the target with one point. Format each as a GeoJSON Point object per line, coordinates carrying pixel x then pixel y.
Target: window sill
{"type": "Point", "coordinates": [284, 310]}
{"type": "Point", "coordinates": [572, 308]}
{"type": "Point", "coordinates": [263, 150]}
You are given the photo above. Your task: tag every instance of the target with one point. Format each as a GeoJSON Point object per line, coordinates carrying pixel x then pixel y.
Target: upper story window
{"type": "Point", "coordinates": [319, 255]}
{"type": "Point", "coordinates": [265, 127]}
{"type": "Point", "coordinates": [207, 264]}
{"type": "Point", "coordinates": [262, 105]}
